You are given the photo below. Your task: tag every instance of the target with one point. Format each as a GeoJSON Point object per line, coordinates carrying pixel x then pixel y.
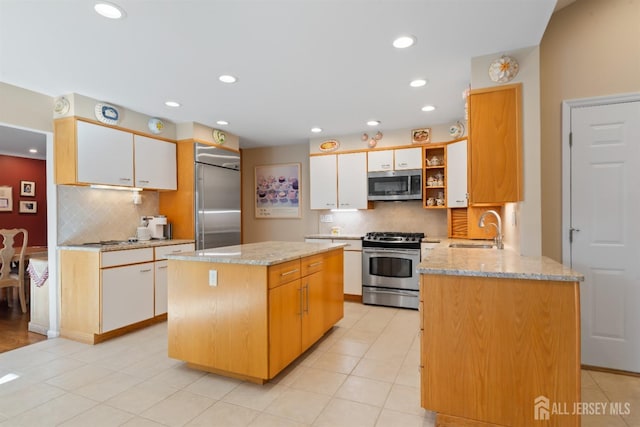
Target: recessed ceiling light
{"type": "Point", "coordinates": [172, 104]}
{"type": "Point", "coordinates": [418, 83]}
{"type": "Point", "coordinates": [428, 108]}
{"type": "Point", "coordinates": [33, 150]}
{"type": "Point", "coordinates": [316, 130]}
{"type": "Point", "coordinates": [109, 10]}
{"type": "Point", "coordinates": [225, 78]}
{"type": "Point", "coordinates": [222, 122]}
{"type": "Point", "coordinates": [403, 42]}
{"type": "Point", "coordinates": [373, 122]}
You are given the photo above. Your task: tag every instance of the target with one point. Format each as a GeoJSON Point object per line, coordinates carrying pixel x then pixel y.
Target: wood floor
{"type": "Point", "coordinates": [14, 325]}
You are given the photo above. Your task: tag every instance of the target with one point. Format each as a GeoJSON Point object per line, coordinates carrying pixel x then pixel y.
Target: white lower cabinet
{"type": "Point", "coordinates": [127, 295]}
{"type": "Point", "coordinates": [352, 269]}
{"type": "Point", "coordinates": [161, 284]}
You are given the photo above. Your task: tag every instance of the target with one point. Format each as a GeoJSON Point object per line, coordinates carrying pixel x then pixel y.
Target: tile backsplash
{"type": "Point", "coordinates": [407, 216]}
{"type": "Point", "coordinates": [91, 215]}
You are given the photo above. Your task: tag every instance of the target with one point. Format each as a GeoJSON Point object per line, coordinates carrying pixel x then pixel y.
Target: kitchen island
{"type": "Point", "coordinates": [500, 338]}
{"type": "Point", "coordinates": [248, 311]}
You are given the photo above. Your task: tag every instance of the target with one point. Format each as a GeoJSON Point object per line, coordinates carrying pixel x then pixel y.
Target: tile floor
{"type": "Point", "coordinates": [363, 373]}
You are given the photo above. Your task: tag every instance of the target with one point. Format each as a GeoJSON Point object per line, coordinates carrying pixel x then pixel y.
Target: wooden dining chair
{"type": "Point", "coordinates": [8, 278]}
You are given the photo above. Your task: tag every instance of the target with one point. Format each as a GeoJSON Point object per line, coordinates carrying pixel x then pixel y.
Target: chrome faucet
{"type": "Point", "coordinates": [498, 238]}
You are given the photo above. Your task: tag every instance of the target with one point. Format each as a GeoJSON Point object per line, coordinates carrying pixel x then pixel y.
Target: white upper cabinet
{"type": "Point", "coordinates": [457, 174]}
{"type": "Point", "coordinates": [380, 160]}
{"type": "Point", "coordinates": [323, 182]}
{"type": "Point", "coordinates": [408, 158]}
{"type": "Point", "coordinates": [352, 181]}
{"type": "Point", "coordinates": [338, 181]}
{"type": "Point", "coordinates": [104, 155]}
{"type": "Point", "coordinates": [155, 163]}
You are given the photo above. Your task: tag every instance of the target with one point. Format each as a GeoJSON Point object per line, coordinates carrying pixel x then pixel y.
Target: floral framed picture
{"type": "Point", "coordinates": [28, 206]}
{"type": "Point", "coordinates": [277, 191]}
{"type": "Point", "coordinates": [27, 188]}
{"type": "Point", "coordinates": [420, 136]}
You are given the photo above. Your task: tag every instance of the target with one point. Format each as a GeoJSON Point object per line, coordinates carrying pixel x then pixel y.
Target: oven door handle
{"type": "Point", "coordinates": [403, 293]}
{"type": "Point", "coordinates": [391, 251]}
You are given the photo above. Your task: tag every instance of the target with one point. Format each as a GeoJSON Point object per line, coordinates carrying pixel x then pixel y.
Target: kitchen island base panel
{"type": "Point", "coordinates": [89, 338]}
{"type": "Point", "coordinates": [449, 421]}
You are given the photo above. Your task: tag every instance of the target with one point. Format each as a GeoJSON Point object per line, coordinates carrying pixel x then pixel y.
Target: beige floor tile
{"type": "Point", "coordinates": [178, 409]}
{"type": "Point", "coordinates": [54, 412]}
{"type": "Point", "coordinates": [309, 357]}
{"type": "Point", "coordinates": [152, 365]}
{"type": "Point", "coordinates": [179, 376]}
{"type": "Point", "coordinates": [20, 396]}
{"type": "Point", "coordinates": [108, 387]}
{"type": "Point", "coordinates": [254, 396]}
{"type": "Point", "coordinates": [142, 396]}
{"type": "Point", "coordinates": [347, 413]}
{"type": "Point", "coordinates": [213, 386]}
{"type": "Point", "coordinates": [364, 390]}
{"type": "Point", "coordinates": [374, 321]}
{"type": "Point", "coordinates": [377, 369]}
{"type": "Point", "coordinates": [405, 399]}
{"type": "Point", "coordinates": [319, 381]}
{"type": "Point", "coordinates": [617, 387]}
{"type": "Point", "coordinates": [586, 381]}
{"type": "Point", "coordinates": [73, 380]}
{"type": "Point", "coordinates": [349, 347]}
{"type": "Point", "coordinates": [362, 335]}
{"type": "Point", "coordinates": [391, 418]}
{"type": "Point", "coordinates": [409, 376]}
{"type": "Point", "coordinates": [99, 416]}
{"type": "Point", "coordinates": [336, 363]}
{"type": "Point", "coordinates": [298, 405]}
{"type": "Point", "coordinates": [602, 421]}
{"type": "Point", "coordinates": [141, 422]}
{"type": "Point", "coordinates": [52, 368]}
{"type": "Point", "coordinates": [289, 374]}
{"type": "Point", "coordinates": [268, 420]}
{"type": "Point", "coordinates": [223, 414]}
{"type": "Point", "coordinates": [389, 348]}
{"type": "Point", "coordinates": [24, 358]}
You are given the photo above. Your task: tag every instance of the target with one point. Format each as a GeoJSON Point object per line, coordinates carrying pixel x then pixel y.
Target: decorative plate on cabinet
{"type": "Point", "coordinates": [156, 125]}
{"type": "Point", "coordinates": [329, 145]}
{"type": "Point", "coordinates": [107, 114]}
{"type": "Point", "coordinates": [456, 130]}
{"type": "Point", "coordinates": [218, 136]}
{"type": "Point", "coordinates": [503, 69]}
{"type": "Point", "coordinates": [61, 106]}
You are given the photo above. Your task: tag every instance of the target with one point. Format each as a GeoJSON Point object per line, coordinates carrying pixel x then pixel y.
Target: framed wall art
{"type": "Point", "coordinates": [27, 206]}
{"type": "Point", "coordinates": [6, 201]}
{"type": "Point", "coordinates": [420, 136]}
{"type": "Point", "coordinates": [27, 188]}
{"type": "Point", "coordinates": [277, 191]}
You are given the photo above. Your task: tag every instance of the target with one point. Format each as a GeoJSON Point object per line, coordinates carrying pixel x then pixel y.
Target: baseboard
{"type": "Point", "coordinates": [353, 298]}
{"type": "Point", "coordinates": [610, 371]}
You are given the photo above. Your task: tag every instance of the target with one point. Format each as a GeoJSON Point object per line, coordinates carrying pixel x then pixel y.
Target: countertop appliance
{"type": "Point", "coordinates": [217, 199]}
{"type": "Point", "coordinates": [156, 225]}
{"type": "Point", "coordinates": [389, 261]}
{"type": "Point", "coordinates": [395, 185]}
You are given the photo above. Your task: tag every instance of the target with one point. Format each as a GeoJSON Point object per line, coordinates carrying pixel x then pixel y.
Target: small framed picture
{"type": "Point", "coordinates": [27, 188]}
{"type": "Point", "coordinates": [6, 202]}
{"type": "Point", "coordinates": [420, 136]}
{"type": "Point", "coordinates": [27, 206]}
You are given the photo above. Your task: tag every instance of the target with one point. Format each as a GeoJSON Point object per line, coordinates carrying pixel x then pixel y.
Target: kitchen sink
{"type": "Point", "coordinates": [471, 245]}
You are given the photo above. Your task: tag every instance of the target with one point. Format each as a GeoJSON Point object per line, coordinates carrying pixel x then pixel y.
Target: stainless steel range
{"type": "Point", "coordinates": [389, 261]}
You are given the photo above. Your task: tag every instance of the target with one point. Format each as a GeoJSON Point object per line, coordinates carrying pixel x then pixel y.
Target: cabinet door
{"type": "Point", "coordinates": [352, 181]}
{"type": "Point", "coordinates": [155, 163]}
{"type": "Point", "coordinates": [380, 160]}
{"type": "Point", "coordinates": [353, 272]}
{"type": "Point", "coordinates": [408, 158]}
{"type": "Point", "coordinates": [105, 155]}
{"type": "Point", "coordinates": [160, 288]}
{"type": "Point", "coordinates": [127, 295]}
{"type": "Point", "coordinates": [313, 306]}
{"type": "Point", "coordinates": [457, 174]}
{"type": "Point", "coordinates": [285, 310]}
{"type": "Point", "coordinates": [495, 152]}
{"type": "Point", "coordinates": [323, 182]}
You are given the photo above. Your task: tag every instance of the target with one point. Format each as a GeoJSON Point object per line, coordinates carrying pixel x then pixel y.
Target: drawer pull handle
{"type": "Point", "coordinates": [162, 267]}
{"type": "Point", "coordinates": [315, 264]}
{"type": "Point", "coordinates": [147, 270]}
{"type": "Point", "coordinates": [289, 272]}
{"type": "Point", "coordinates": [177, 251]}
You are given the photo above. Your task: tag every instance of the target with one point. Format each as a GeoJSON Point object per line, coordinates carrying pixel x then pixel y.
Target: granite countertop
{"type": "Point", "coordinates": [124, 245]}
{"type": "Point", "coordinates": [335, 236]}
{"type": "Point", "coordinates": [494, 263]}
{"type": "Point", "coordinates": [263, 253]}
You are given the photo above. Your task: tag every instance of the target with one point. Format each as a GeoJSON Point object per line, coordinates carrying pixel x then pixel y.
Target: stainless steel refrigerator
{"type": "Point", "coordinates": [217, 201]}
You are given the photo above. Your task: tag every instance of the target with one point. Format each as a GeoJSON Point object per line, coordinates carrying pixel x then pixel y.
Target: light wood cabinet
{"type": "Point", "coordinates": [90, 153]}
{"type": "Point", "coordinates": [495, 144]}
{"type": "Point", "coordinates": [463, 222]}
{"type": "Point", "coordinates": [435, 174]}
{"type": "Point", "coordinates": [258, 319]}
{"type": "Point", "coordinates": [338, 181]}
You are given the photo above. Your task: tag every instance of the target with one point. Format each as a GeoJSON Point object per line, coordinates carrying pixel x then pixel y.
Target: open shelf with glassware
{"type": "Point", "coordinates": [435, 171]}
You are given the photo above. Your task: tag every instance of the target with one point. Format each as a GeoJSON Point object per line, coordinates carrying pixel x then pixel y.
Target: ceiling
{"type": "Point", "coordinates": [299, 63]}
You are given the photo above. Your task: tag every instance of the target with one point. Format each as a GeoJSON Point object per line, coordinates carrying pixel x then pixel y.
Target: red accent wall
{"type": "Point", "coordinates": [12, 171]}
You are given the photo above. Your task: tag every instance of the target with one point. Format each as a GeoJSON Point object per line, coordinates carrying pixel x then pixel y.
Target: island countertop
{"type": "Point", "coordinates": [262, 253]}
{"type": "Point", "coordinates": [494, 263]}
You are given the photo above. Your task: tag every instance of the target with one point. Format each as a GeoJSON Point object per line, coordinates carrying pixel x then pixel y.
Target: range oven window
{"type": "Point", "coordinates": [391, 267]}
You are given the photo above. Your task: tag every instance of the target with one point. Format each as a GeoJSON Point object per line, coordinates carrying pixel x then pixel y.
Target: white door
{"type": "Point", "coordinates": [105, 155]}
{"type": "Point", "coordinates": [323, 182]}
{"type": "Point", "coordinates": [457, 174]}
{"type": "Point", "coordinates": [407, 158]}
{"type": "Point", "coordinates": [352, 181]}
{"type": "Point", "coordinates": [605, 212]}
{"type": "Point", "coordinates": [155, 163]}
{"type": "Point", "coordinates": [380, 160]}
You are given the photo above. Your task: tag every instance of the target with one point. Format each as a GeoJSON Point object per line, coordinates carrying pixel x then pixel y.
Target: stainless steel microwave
{"type": "Point", "coordinates": [395, 185]}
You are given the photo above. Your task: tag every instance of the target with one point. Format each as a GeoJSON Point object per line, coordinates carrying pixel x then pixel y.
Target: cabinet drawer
{"type": "Point", "coordinates": [130, 256]}
{"type": "Point", "coordinates": [284, 273]}
{"type": "Point", "coordinates": [163, 251]}
{"type": "Point", "coordinates": [312, 264]}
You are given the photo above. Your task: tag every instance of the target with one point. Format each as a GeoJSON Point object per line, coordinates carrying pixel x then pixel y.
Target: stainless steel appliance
{"type": "Point", "coordinates": [389, 261]}
{"type": "Point", "coordinates": [217, 200]}
{"type": "Point", "coordinates": [395, 185]}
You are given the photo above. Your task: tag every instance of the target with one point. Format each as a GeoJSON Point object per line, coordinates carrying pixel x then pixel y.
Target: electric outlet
{"type": "Point", "coordinates": [213, 277]}
{"type": "Point", "coordinates": [326, 218]}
